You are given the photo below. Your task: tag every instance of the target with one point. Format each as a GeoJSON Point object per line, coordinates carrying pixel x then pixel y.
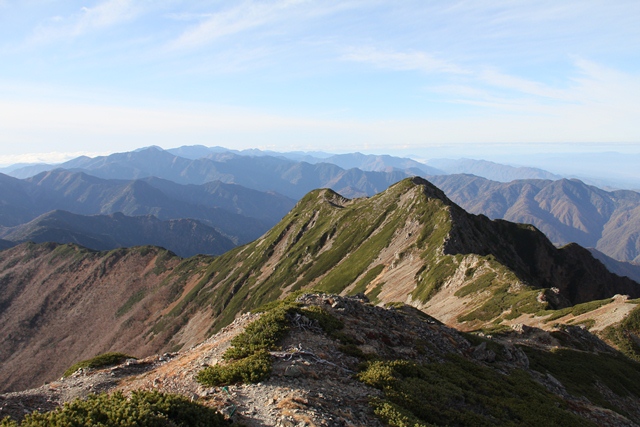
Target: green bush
{"type": "Point", "coordinates": [585, 374]}
{"type": "Point", "coordinates": [100, 361]}
{"type": "Point", "coordinates": [480, 284]}
{"type": "Point", "coordinates": [461, 393]}
{"type": "Point", "coordinates": [395, 415]}
{"type": "Point", "coordinates": [248, 359]}
{"type": "Point", "coordinates": [625, 335]}
{"type": "Point", "coordinates": [262, 334]}
{"type": "Point", "coordinates": [142, 409]}
{"type": "Point", "coordinates": [326, 321]}
{"type": "Point", "coordinates": [250, 369]}
{"type": "Point", "coordinates": [576, 310]}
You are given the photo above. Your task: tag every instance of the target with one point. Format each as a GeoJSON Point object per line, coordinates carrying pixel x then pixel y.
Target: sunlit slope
{"type": "Point", "coordinates": [410, 244]}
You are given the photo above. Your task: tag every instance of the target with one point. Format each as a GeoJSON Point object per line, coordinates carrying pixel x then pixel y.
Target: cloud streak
{"type": "Point", "coordinates": [403, 61]}
{"type": "Point", "coordinates": [105, 15]}
{"type": "Point", "coordinates": [242, 18]}
{"type": "Point", "coordinates": [464, 70]}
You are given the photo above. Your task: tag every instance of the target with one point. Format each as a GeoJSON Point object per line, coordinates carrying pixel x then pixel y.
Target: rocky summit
{"type": "Point", "coordinates": [342, 361]}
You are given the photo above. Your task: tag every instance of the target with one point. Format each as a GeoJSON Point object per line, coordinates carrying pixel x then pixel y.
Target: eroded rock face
{"type": "Point", "coordinates": [63, 303]}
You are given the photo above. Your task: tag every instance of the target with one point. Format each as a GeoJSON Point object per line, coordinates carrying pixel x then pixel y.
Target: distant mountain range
{"type": "Point", "coordinates": [565, 210]}
{"type": "Point", "coordinates": [185, 237]}
{"type": "Point", "coordinates": [630, 270]}
{"type": "Point", "coordinates": [291, 174]}
{"type": "Point", "coordinates": [263, 173]}
{"type": "Point", "coordinates": [238, 192]}
{"type": "Point", "coordinates": [605, 170]}
{"type": "Point", "coordinates": [238, 213]}
{"type": "Point", "coordinates": [490, 170]}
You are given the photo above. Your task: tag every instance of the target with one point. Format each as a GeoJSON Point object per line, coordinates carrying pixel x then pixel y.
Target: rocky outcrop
{"type": "Point", "coordinates": [314, 378]}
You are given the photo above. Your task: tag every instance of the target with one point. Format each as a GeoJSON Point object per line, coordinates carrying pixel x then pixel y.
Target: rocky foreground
{"type": "Point", "coordinates": [314, 380]}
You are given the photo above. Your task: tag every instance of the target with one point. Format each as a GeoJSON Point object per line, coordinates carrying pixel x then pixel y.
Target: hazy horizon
{"type": "Point", "coordinates": [405, 78]}
{"type": "Point", "coordinates": [606, 169]}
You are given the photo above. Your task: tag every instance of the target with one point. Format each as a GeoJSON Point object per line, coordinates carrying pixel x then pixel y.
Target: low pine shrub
{"type": "Point", "coordinates": [251, 369]}
{"type": "Point", "coordinates": [460, 393]}
{"type": "Point", "coordinates": [142, 409]}
{"type": "Point", "coordinates": [100, 361]}
{"type": "Point", "coordinates": [248, 359]}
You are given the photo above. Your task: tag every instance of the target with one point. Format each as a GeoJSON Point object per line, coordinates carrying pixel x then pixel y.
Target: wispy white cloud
{"type": "Point", "coordinates": [272, 17]}
{"type": "Point", "coordinates": [104, 15]}
{"type": "Point", "coordinates": [244, 17]}
{"type": "Point", "coordinates": [403, 61]}
{"type": "Point", "coordinates": [498, 79]}
{"type": "Point", "coordinates": [107, 14]}
{"type": "Point", "coordinates": [501, 70]}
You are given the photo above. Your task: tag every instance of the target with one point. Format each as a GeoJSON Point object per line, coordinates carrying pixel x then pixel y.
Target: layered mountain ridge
{"type": "Point", "coordinates": [185, 237]}
{"type": "Point", "coordinates": [263, 173]}
{"type": "Point", "coordinates": [238, 213]}
{"type": "Point", "coordinates": [566, 210]}
{"type": "Point", "coordinates": [408, 244]}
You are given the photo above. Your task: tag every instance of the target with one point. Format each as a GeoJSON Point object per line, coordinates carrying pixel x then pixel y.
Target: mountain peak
{"type": "Point", "coordinates": [430, 190]}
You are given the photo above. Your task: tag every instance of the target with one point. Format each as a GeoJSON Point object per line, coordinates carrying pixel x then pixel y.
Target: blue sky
{"type": "Point", "coordinates": [394, 77]}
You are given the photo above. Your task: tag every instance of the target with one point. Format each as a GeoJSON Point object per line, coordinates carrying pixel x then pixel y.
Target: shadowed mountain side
{"type": "Point", "coordinates": [267, 207]}
{"type": "Point", "coordinates": [88, 195]}
{"type": "Point", "coordinates": [565, 210]}
{"type": "Point", "coordinates": [631, 270]}
{"type": "Point", "coordinates": [184, 237]}
{"type": "Point", "coordinates": [14, 205]}
{"type": "Point", "coordinates": [6, 244]}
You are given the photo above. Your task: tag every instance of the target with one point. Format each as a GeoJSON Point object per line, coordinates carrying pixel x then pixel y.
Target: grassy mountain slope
{"type": "Point", "coordinates": [62, 303]}
{"type": "Point", "coordinates": [185, 237]}
{"type": "Point", "coordinates": [408, 244]}
{"type": "Point", "coordinates": [565, 210]}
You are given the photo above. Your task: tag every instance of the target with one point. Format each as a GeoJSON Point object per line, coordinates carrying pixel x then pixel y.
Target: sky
{"type": "Point", "coordinates": [424, 77]}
